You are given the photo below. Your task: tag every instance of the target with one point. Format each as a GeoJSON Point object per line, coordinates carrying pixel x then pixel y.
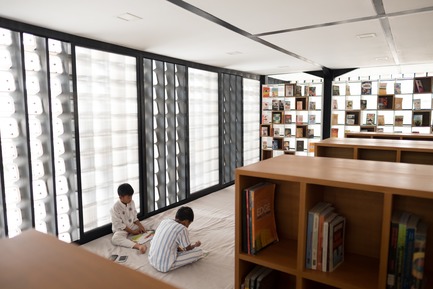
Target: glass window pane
{"type": "Point", "coordinates": [203, 129]}
{"type": "Point", "coordinates": [108, 124]}
{"type": "Point", "coordinates": [251, 121]}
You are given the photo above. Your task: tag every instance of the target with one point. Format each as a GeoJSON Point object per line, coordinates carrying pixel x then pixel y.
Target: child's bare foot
{"type": "Point", "coordinates": [142, 249]}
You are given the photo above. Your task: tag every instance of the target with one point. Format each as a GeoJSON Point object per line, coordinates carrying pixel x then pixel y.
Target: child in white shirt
{"type": "Point", "coordinates": [124, 220]}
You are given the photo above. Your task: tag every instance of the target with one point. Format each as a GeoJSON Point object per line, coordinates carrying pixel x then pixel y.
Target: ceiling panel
{"type": "Point", "coordinates": [392, 6]}
{"type": "Point", "coordinates": [338, 46]}
{"type": "Point", "coordinates": [263, 16]}
{"type": "Point", "coordinates": [323, 32]}
{"type": "Point", "coordinates": [412, 35]}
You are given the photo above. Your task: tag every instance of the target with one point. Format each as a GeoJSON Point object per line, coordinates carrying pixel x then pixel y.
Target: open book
{"type": "Point", "coordinates": [144, 237]}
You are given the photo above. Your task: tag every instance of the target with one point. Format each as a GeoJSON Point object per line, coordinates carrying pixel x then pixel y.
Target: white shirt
{"type": "Point", "coordinates": [123, 215]}
{"type": "Point", "coordinates": [168, 237]}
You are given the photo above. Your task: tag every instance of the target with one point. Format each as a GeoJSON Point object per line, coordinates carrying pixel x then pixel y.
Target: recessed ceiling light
{"type": "Point", "coordinates": [234, 53]}
{"type": "Point", "coordinates": [382, 58]}
{"type": "Point", "coordinates": [129, 17]}
{"type": "Point", "coordinates": [366, 35]}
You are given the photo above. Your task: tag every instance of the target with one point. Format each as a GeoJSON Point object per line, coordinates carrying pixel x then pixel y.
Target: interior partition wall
{"type": "Point", "coordinates": [80, 117]}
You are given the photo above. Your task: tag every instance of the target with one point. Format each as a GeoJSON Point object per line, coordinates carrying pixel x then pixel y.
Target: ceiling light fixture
{"type": "Point", "coordinates": [129, 17]}
{"type": "Point", "coordinates": [234, 53]}
{"type": "Point", "coordinates": [366, 35]}
{"type": "Point", "coordinates": [385, 58]}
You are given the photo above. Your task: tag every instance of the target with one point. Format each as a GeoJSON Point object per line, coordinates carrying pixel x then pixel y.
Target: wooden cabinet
{"type": "Point", "coordinates": [404, 151]}
{"type": "Point", "coordinates": [366, 195]}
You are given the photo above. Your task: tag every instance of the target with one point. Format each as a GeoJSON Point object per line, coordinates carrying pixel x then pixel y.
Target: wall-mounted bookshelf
{"type": "Point", "coordinates": [400, 105]}
{"type": "Point", "coordinates": [291, 118]}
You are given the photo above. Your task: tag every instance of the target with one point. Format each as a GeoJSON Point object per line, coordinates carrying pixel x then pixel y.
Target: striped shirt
{"type": "Point", "coordinates": [168, 237]}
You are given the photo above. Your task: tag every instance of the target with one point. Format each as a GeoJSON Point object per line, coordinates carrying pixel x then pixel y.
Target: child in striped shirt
{"type": "Point", "coordinates": [170, 247]}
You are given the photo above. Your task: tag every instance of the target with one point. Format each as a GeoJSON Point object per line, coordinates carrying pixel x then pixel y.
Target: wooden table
{"type": "Point", "coordinates": [36, 260]}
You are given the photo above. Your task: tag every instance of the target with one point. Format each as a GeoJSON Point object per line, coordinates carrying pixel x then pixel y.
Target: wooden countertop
{"type": "Point", "coordinates": [36, 260]}
{"type": "Point", "coordinates": [379, 143]}
{"type": "Point", "coordinates": [386, 177]}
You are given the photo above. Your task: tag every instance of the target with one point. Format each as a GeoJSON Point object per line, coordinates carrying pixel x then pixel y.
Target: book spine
{"type": "Point", "coordinates": [418, 257]}
{"type": "Point", "coordinates": [400, 249]}
{"type": "Point", "coordinates": [392, 255]}
{"type": "Point", "coordinates": [408, 256]}
{"type": "Point", "coordinates": [314, 241]}
{"type": "Point", "coordinates": [309, 240]}
{"type": "Point", "coordinates": [325, 247]}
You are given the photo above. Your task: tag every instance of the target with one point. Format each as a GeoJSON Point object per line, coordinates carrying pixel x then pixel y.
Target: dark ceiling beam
{"type": "Point", "coordinates": [386, 27]}
{"type": "Point", "coordinates": [235, 29]}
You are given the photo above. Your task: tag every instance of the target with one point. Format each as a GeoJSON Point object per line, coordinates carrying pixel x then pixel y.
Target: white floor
{"type": "Point", "coordinates": [213, 226]}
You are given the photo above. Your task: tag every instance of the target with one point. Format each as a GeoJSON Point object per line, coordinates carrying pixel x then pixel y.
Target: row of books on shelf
{"type": "Point", "coordinates": [351, 119]}
{"type": "Point", "coordinates": [301, 131]}
{"type": "Point", "coordinates": [325, 238]}
{"type": "Point", "coordinates": [277, 118]}
{"type": "Point", "coordinates": [280, 144]}
{"type": "Point", "coordinates": [279, 105]}
{"type": "Point", "coordinates": [406, 255]}
{"type": "Point", "coordinates": [290, 89]}
{"type": "Point", "coordinates": [421, 85]}
{"type": "Point", "coordinates": [260, 278]}
{"type": "Point", "coordinates": [258, 217]}
{"type": "Point", "coordinates": [383, 102]}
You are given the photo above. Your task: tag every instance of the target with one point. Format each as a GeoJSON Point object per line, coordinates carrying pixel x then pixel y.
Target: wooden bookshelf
{"type": "Point", "coordinates": [291, 114]}
{"type": "Point", "coordinates": [366, 195]}
{"type": "Point", "coordinates": [401, 105]}
{"type": "Point", "coordinates": [37, 260]}
{"type": "Point", "coordinates": [404, 151]}
{"type": "Point", "coordinates": [382, 135]}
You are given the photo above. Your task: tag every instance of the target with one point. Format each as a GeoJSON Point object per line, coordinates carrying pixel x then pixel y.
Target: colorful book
{"type": "Point", "coordinates": [144, 237]}
{"type": "Point", "coordinates": [322, 216]}
{"type": "Point", "coordinates": [409, 250]}
{"type": "Point", "coordinates": [325, 240]}
{"type": "Point", "coordinates": [401, 243]}
{"type": "Point", "coordinates": [419, 256]}
{"type": "Point", "coordinates": [392, 251]}
{"type": "Point", "coordinates": [382, 88]}
{"type": "Point", "coordinates": [310, 225]}
{"type": "Point", "coordinates": [398, 103]}
{"type": "Point", "coordinates": [263, 226]}
{"type": "Point", "coordinates": [366, 87]}
{"type": "Point", "coordinates": [419, 88]}
{"type": "Point", "coordinates": [335, 90]}
{"type": "Point", "coordinates": [336, 242]}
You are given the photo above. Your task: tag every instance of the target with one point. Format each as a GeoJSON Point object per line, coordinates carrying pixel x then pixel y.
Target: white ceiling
{"type": "Point", "coordinates": [262, 37]}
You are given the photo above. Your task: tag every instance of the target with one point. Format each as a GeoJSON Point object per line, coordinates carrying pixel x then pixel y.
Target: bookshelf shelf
{"type": "Point", "coordinates": [356, 272]}
{"type": "Point", "coordinates": [366, 196]}
{"type": "Point", "coordinates": [389, 106]}
{"type": "Point", "coordinates": [293, 112]}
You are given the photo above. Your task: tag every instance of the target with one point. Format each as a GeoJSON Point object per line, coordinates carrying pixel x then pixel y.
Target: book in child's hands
{"type": "Point", "coordinates": [144, 237]}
